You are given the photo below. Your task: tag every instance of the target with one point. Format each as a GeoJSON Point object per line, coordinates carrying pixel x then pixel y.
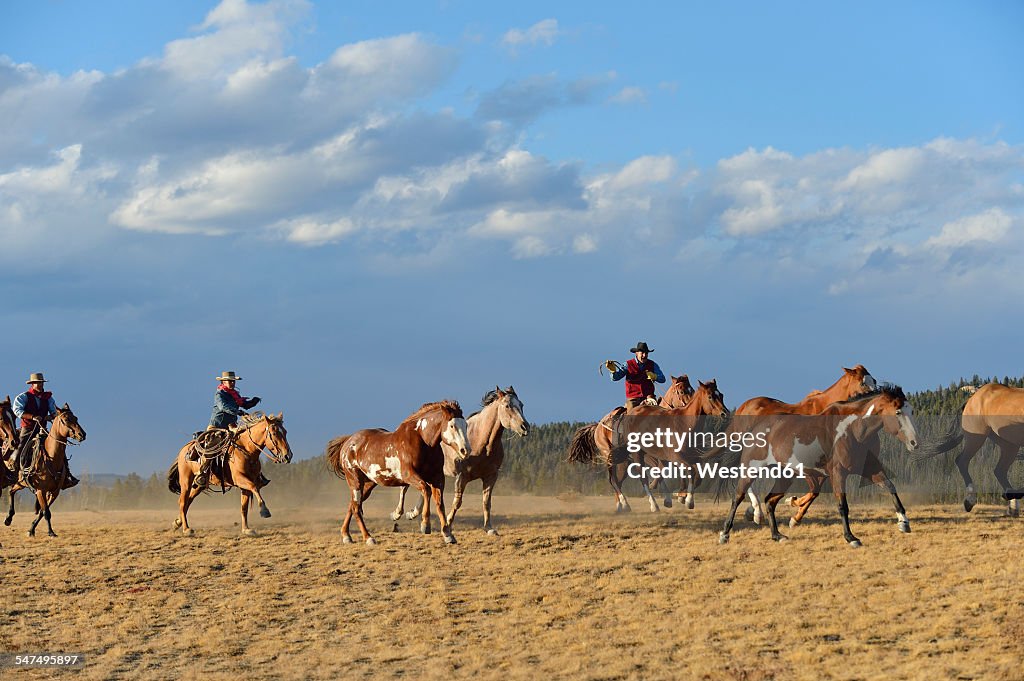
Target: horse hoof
{"type": "Point", "coordinates": [424, 529]}
{"type": "Point", "coordinates": [968, 505]}
{"type": "Point", "coordinates": [248, 532]}
{"type": "Point", "coordinates": [904, 526]}
{"type": "Point", "coordinates": [264, 512]}
{"type": "Point", "coordinates": [396, 516]}
{"type": "Point", "coordinates": [30, 533]}
{"type": "Point", "coordinates": [749, 514]}
{"type": "Point", "coordinates": [856, 544]}
{"type": "Point", "coordinates": [188, 532]}
{"type": "Point", "coordinates": [1013, 512]}
{"type": "Point", "coordinates": [51, 533]}
{"type": "Point", "coordinates": [793, 522]}
{"type": "Point", "coordinates": [345, 539]}
{"type": "Point", "coordinates": [689, 502]}
{"type": "Point", "coordinates": [723, 538]}
{"type": "Point", "coordinates": [668, 502]}
{"type": "Point", "coordinates": [792, 502]}
{"type": "Point", "coordinates": [491, 531]}
{"type": "Point", "coordinates": [450, 539]}
{"type": "Point", "coordinates": [370, 541]}
{"type": "Point", "coordinates": [7, 521]}
{"type": "Point", "coordinates": [411, 515]}
{"type": "Point", "coordinates": [394, 528]}
{"type": "Point", "coordinates": [177, 523]}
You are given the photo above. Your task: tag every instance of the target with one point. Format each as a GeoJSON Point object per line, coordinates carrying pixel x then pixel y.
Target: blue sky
{"type": "Point", "coordinates": [361, 207]}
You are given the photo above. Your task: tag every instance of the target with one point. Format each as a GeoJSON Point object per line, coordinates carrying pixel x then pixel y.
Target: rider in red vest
{"type": "Point", "coordinates": [34, 408]}
{"type": "Point", "coordinates": [640, 373]}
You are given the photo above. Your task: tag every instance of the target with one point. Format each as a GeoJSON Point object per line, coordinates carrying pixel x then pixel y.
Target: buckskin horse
{"type": "Point", "coordinates": [994, 412]}
{"type": "Point", "coordinates": [835, 443]}
{"type": "Point", "coordinates": [411, 455]}
{"type": "Point", "coordinates": [502, 410]}
{"type": "Point", "coordinates": [595, 442]}
{"type": "Point", "coordinates": [48, 478]}
{"type": "Point", "coordinates": [853, 382]}
{"type": "Point", "coordinates": [258, 431]}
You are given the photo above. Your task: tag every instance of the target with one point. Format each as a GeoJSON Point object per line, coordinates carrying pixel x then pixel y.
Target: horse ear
{"type": "Point", "coordinates": [497, 391]}
{"type": "Point", "coordinates": [849, 371]}
{"type": "Point", "coordinates": [280, 415]}
{"type": "Point", "coordinates": [510, 389]}
{"type": "Point", "coordinates": [66, 407]}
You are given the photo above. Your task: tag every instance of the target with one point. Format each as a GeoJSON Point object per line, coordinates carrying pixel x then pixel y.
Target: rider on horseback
{"type": "Point", "coordinates": [640, 373]}
{"type": "Point", "coordinates": [227, 407]}
{"type": "Point", "coordinates": [34, 408]}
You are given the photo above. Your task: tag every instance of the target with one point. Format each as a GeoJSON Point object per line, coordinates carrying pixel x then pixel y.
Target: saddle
{"type": "Point", "coordinates": [211, 448]}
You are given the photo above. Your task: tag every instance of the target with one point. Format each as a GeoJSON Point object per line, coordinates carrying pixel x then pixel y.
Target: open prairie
{"type": "Point", "coordinates": [568, 589]}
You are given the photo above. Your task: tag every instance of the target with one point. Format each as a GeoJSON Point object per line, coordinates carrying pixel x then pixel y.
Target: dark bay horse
{"type": "Point", "coordinates": [835, 443]}
{"type": "Point", "coordinates": [411, 455]}
{"type": "Point", "coordinates": [595, 442]}
{"type": "Point", "coordinates": [9, 441]}
{"type": "Point", "coordinates": [853, 382]}
{"type": "Point", "coordinates": [258, 431]}
{"type": "Point", "coordinates": [502, 410]}
{"type": "Point", "coordinates": [994, 412]}
{"type": "Point", "coordinates": [48, 478]}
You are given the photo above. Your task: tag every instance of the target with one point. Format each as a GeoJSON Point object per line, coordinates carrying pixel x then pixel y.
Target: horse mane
{"type": "Point", "coordinates": [450, 405]}
{"type": "Point", "coordinates": [888, 389]}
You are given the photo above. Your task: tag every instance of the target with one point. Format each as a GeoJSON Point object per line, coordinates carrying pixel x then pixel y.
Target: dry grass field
{"type": "Point", "coordinates": [568, 590]}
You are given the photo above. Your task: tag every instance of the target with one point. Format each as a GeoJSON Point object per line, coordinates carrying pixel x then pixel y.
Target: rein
{"type": "Point", "coordinates": [251, 420]}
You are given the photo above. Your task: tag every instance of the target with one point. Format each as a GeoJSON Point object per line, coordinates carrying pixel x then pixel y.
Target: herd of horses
{"type": "Point", "coordinates": [437, 440]}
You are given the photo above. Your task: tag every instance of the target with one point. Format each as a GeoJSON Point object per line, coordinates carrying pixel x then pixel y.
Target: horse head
{"type": "Point", "coordinates": [709, 400]}
{"type": "Point", "coordinates": [510, 409]}
{"type": "Point", "coordinates": [8, 424]}
{"type": "Point", "coordinates": [275, 438]}
{"type": "Point", "coordinates": [454, 433]}
{"type": "Point", "coordinates": [897, 415]}
{"type": "Point", "coordinates": [860, 377]}
{"type": "Point", "coordinates": [66, 425]}
{"type": "Point", "coordinates": [679, 393]}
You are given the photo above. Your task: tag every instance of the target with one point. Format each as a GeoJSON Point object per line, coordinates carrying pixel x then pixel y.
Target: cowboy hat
{"type": "Point", "coordinates": [229, 376]}
{"type": "Point", "coordinates": [641, 347]}
{"type": "Point", "coordinates": [35, 378]}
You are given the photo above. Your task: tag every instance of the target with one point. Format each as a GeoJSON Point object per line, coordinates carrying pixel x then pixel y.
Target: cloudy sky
{"type": "Point", "coordinates": [360, 207]}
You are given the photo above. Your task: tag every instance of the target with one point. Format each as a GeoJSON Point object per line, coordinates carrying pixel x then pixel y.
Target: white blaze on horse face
{"type": "Point", "coordinates": [907, 428]}
{"type": "Point", "coordinates": [456, 437]}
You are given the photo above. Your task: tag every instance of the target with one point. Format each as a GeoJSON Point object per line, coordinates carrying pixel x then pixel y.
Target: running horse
{"type": "Point", "coordinates": [411, 455]}
{"type": "Point", "coordinates": [258, 432]}
{"type": "Point", "coordinates": [502, 410]}
{"type": "Point", "coordinates": [853, 382]}
{"type": "Point", "coordinates": [9, 441]}
{"type": "Point", "coordinates": [48, 478]}
{"type": "Point", "coordinates": [994, 412]}
{"type": "Point", "coordinates": [595, 442]}
{"type": "Point", "coordinates": [835, 443]}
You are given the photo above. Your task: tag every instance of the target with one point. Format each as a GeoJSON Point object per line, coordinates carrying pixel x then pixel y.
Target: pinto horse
{"type": "Point", "coordinates": [48, 479]}
{"type": "Point", "coordinates": [243, 469]}
{"type": "Point", "coordinates": [595, 442]}
{"type": "Point", "coordinates": [994, 412]}
{"type": "Point", "coordinates": [502, 410]}
{"type": "Point", "coordinates": [411, 455]}
{"type": "Point", "coordinates": [853, 382]}
{"type": "Point", "coordinates": [835, 443]}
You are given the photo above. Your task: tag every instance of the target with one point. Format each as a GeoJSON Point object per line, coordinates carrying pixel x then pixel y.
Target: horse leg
{"type": "Point", "coordinates": [364, 494]}
{"type": "Point", "coordinates": [10, 512]}
{"type": "Point", "coordinates": [396, 515]}
{"type": "Point", "coordinates": [666, 494]}
{"type": "Point", "coordinates": [42, 510]}
{"type": "Point", "coordinates": [741, 491]}
{"type": "Point", "coordinates": [839, 487]}
{"type": "Point", "coordinates": [972, 443]}
{"type": "Point", "coordinates": [185, 499]}
{"type": "Point", "coordinates": [488, 486]}
{"type": "Point", "coordinates": [814, 482]}
{"type": "Point", "coordinates": [771, 500]}
{"type": "Point", "coordinates": [754, 513]}
{"type": "Point", "coordinates": [1007, 455]}
{"type": "Point", "coordinates": [460, 487]}
{"type": "Point", "coordinates": [446, 528]}
{"type": "Point", "coordinates": [616, 473]}
{"type": "Point", "coordinates": [425, 508]}
{"type": "Point", "coordinates": [645, 486]}
{"type": "Point", "coordinates": [876, 473]}
{"type": "Point", "coordinates": [246, 497]}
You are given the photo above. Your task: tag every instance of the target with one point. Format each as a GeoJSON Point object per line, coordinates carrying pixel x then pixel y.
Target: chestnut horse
{"type": "Point", "coordinates": [594, 442]}
{"type": "Point", "coordinates": [48, 478]}
{"type": "Point", "coordinates": [9, 441]}
{"type": "Point", "coordinates": [853, 382]}
{"type": "Point", "coordinates": [258, 431]}
{"type": "Point", "coordinates": [834, 443]}
{"type": "Point", "coordinates": [502, 410]}
{"type": "Point", "coordinates": [411, 455]}
{"type": "Point", "coordinates": [994, 412]}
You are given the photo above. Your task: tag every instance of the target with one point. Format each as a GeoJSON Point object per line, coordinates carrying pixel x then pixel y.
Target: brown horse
{"type": "Point", "coordinates": [258, 431]}
{"type": "Point", "coordinates": [835, 443]}
{"type": "Point", "coordinates": [994, 412]}
{"type": "Point", "coordinates": [9, 441]}
{"type": "Point", "coordinates": [48, 478]}
{"type": "Point", "coordinates": [502, 409]}
{"type": "Point", "coordinates": [853, 382]}
{"type": "Point", "coordinates": [595, 442]}
{"type": "Point", "coordinates": [678, 394]}
{"type": "Point", "coordinates": [411, 455]}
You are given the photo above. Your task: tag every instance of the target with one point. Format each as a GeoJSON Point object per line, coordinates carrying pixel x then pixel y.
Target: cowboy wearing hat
{"type": "Point", "coordinates": [34, 408]}
{"type": "Point", "coordinates": [640, 373]}
{"type": "Point", "coordinates": [227, 407]}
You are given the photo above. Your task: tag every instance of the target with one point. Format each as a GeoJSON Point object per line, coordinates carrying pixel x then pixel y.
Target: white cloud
{"type": "Point", "coordinates": [629, 95]}
{"type": "Point", "coordinates": [544, 31]}
{"type": "Point", "coordinates": [991, 226]}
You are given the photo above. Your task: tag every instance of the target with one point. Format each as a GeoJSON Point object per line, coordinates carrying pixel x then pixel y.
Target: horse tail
{"type": "Point", "coordinates": [173, 481]}
{"type": "Point", "coordinates": [333, 454]}
{"type": "Point", "coordinates": [953, 436]}
{"type": "Point", "coordinates": [583, 448]}
{"type": "Point", "coordinates": [725, 457]}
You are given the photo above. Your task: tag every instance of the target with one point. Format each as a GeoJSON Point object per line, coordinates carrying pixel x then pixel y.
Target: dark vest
{"type": "Point", "coordinates": [638, 385]}
{"type": "Point", "coordinates": [36, 405]}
